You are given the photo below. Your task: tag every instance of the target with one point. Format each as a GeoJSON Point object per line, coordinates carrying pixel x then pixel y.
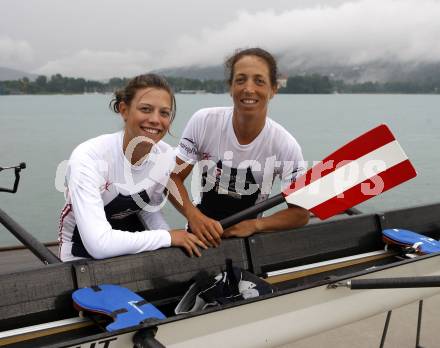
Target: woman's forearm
{"type": "Point", "coordinates": [291, 217]}
{"type": "Point", "coordinates": [180, 197]}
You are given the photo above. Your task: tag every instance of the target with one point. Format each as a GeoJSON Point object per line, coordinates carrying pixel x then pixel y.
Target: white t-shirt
{"type": "Point", "coordinates": [112, 207]}
{"type": "Point", "coordinates": [236, 176]}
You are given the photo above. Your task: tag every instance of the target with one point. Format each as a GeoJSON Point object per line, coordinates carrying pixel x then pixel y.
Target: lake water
{"type": "Point", "coordinates": [43, 130]}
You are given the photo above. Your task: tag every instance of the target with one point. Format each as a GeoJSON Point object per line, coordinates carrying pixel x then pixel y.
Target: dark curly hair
{"type": "Point", "coordinates": [254, 51]}
{"type": "Point", "coordinates": [127, 93]}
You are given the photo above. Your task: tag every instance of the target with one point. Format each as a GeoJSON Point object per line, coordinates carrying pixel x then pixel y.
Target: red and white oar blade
{"type": "Point", "coordinates": [365, 167]}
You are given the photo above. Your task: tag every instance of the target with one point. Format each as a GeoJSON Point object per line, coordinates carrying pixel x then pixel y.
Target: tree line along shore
{"type": "Point", "coordinates": [300, 84]}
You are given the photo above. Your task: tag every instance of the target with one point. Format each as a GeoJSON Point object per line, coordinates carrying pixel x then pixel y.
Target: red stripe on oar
{"type": "Point", "coordinates": [367, 142]}
{"type": "Point", "coordinates": [389, 178]}
{"type": "Point", "coordinates": [362, 145]}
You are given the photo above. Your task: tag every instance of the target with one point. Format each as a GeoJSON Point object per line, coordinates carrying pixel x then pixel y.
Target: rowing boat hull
{"type": "Point", "coordinates": [285, 317]}
{"type": "Point", "coordinates": [304, 307]}
{"type": "Point", "coordinates": [290, 316]}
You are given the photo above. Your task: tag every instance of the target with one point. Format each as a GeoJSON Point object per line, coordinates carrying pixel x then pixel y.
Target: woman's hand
{"type": "Point", "coordinates": [245, 228]}
{"type": "Point", "coordinates": [187, 241]}
{"type": "Point", "coordinates": [208, 230]}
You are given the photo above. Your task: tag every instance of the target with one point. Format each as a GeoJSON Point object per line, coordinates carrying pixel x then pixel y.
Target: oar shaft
{"type": "Point", "coordinates": [27, 239]}
{"type": "Point", "coordinates": [252, 211]}
{"type": "Point", "coordinates": [395, 283]}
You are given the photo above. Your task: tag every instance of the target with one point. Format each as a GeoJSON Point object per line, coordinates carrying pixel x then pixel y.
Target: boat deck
{"type": "Point", "coordinates": [20, 259]}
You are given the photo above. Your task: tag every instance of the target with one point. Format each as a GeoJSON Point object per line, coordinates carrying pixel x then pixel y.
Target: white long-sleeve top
{"type": "Point", "coordinates": [112, 207]}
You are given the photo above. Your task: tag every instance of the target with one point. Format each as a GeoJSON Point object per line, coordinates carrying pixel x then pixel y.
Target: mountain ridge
{"type": "Point", "coordinates": [14, 74]}
{"type": "Point", "coordinates": [372, 72]}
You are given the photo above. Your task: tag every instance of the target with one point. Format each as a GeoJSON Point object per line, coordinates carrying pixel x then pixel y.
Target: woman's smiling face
{"type": "Point", "coordinates": [148, 115]}
{"type": "Point", "coordinates": [251, 87]}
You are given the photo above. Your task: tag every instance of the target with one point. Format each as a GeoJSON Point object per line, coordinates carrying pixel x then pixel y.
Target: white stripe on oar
{"type": "Point", "coordinates": [337, 182]}
{"type": "Point", "coordinates": [323, 189]}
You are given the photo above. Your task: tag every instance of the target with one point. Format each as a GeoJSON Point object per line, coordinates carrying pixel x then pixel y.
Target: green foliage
{"type": "Point", "coordinates": [55, 85]}
{"type": "Point", "coordinates": [68, 85]}
{"type": "Point", "coordinates": [310, 84]}
{"type": "Point", "coordinates": [307, 84]}
{"type": "Point", "coordinates": [211, 86]}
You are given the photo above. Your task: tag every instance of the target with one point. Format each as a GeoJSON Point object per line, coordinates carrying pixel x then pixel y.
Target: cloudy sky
{"type": "Point", "coordinates": [105, 38]}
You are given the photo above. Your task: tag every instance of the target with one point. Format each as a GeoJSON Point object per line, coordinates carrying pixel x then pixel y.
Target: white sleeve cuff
{"type": "Point", "coordinates": [165, 238]}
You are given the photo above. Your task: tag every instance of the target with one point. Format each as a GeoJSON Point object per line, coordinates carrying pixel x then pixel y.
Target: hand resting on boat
{"type": "Point", "coordinates": [206, 229]}
{"type": "Point", "coordinates": [243, 229]}
{"type": "Point", "coordinates": [187, 241]}
{"type": "Point", "coordinates": [292, 217]}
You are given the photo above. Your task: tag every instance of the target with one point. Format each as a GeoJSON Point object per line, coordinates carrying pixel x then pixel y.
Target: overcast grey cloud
{"type": "Point", "coordinates": [100, 39]}
{"type": "Point", "coordinates": [350, 34]}
{"type": "Point", "coordinates": [15, 51]}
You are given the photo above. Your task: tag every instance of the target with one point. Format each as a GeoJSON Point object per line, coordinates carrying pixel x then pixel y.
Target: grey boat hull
{"type": "Point", "coordinates": [302, 307]}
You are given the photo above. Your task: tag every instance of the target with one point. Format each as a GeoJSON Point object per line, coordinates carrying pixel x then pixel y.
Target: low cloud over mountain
{"type": "Point", "coordinates": [364, 39]}
{"type": "Point", "coordinates": [13, 74]}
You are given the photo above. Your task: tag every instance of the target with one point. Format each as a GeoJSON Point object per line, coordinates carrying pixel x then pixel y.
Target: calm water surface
{"type": "Point", "coordinates": [43, 130]}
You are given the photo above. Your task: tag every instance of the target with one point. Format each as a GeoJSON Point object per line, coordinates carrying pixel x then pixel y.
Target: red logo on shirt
{"type": "Point", "coordinates": [105, 186]}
